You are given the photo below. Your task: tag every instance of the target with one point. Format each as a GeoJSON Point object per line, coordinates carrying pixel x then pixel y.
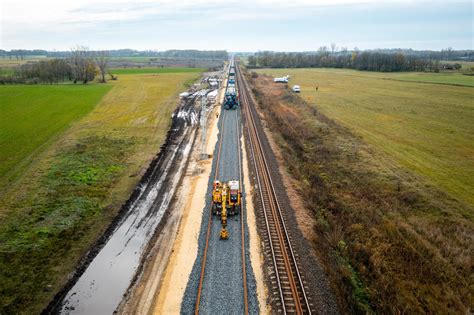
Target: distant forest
{"type": "Point", "coordinates": [386, 60]}
{"type": "Point", "coordinates": [195, 54]}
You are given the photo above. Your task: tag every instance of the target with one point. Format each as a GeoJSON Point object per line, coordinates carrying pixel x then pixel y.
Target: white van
{"type": "Point", "coordinates": [296, 89]}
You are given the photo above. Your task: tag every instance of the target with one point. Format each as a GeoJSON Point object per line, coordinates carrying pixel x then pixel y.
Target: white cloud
{"type": "Point", "coordinates": [17, 13]}
{"type": "Point", "coordinates": [27, 23]}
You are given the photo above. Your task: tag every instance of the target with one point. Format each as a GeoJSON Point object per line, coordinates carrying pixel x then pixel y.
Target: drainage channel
{"type": "Point", "coordinates": [105, 280]}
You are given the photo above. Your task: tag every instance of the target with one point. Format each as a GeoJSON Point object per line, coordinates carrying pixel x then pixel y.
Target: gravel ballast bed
{"type": "Point", "coordinates": [222, 290]}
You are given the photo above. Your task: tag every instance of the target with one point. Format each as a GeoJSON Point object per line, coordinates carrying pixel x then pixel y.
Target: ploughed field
{"type": "Point", "coordinates": [428, 128]}
{"type": "Point", "coordinates": [79, 151]}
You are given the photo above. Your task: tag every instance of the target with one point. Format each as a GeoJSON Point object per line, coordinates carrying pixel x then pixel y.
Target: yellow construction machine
{"type": "Point", "coordinates": [233, 197]}
{"type": "Point", "coordinates": [226, 200]}
{"type": "Point", "coordinates": [217, 198]}
{"type": "Point", "coordinates": [224, 233]}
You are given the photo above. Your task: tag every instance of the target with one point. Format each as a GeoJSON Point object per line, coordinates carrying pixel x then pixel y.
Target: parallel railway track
{"type": "Point", "coordinates": [291, 289]}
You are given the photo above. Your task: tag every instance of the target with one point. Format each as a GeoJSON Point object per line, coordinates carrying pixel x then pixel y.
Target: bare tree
{"type": "Point", "coordinates": [82, 64]}
{"type": "Point", "coordinates": [323, 50]}
{"type": "Point", "coordinates": [449, 53]}
{"type": "Point", "coordinates": [102, 62]}
{"type": "Point", "coordinates": [333, 47]}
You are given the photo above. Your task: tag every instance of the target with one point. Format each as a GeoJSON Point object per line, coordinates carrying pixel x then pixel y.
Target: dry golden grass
{"type": "Point", "coordinates": [428, 128]}
{"type": "Point", "coordinates": [392, 242]}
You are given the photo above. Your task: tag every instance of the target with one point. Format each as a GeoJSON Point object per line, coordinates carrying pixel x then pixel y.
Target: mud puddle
{"type": "Point", "coordinates": [105, 275]}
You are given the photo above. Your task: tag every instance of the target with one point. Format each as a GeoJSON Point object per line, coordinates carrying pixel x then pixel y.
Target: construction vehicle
{"type": "Point", "coordinates": [224, 234]}
{"type": "Point", "coordinates": [226, 200]}
{"type": "Point", "coordinates": [217, 198]}
{"type": "Point", "coordinates": [234, 195]}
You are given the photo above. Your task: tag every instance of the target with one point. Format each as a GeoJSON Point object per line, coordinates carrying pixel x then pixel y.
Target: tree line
{"type": "Point", "coordinates": [385, 61]}
{"type": "Point", "coordinates": [20, 54]}
{"type": "Point", "coordinates": [81, 66]}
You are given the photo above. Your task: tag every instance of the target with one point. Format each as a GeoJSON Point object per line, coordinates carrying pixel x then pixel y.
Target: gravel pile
{"type": "Point", "coordinates": [223, 283]}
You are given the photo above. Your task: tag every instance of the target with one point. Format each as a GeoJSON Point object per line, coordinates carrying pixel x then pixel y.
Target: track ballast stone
{"type": "Point", "coordinates": [321, 298]}
{"type": "Point", "coordinates": [222, 291]}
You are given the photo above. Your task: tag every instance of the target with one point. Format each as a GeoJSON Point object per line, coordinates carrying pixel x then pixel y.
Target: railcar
{"type": "Point", "coordinates": [231, 97]}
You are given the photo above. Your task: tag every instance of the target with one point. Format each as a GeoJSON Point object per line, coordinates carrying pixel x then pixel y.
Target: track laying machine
{"type": "Point", "coordinates": [226, 200]}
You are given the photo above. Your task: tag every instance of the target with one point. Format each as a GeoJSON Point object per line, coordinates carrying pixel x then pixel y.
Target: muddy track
{"type": "Point", "coordinates": [180, 135]}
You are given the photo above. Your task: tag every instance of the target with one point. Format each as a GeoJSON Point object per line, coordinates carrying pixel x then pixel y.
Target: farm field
{"type": "Point", "coordinates": [428, 128]}
{"type": "Point", "coordinates": [58, 207]}
{"type": "Point", "coordinates": [32, 116]}
{"type": "Point", "coordinates": [390, 238]}
{"type": "Point", "coordinates": [156, 70]}
{"type": "Point", "coordinates": [10, 63]}
{"type": "Point", "coordinates": [132, 58]}
{"type": "Point", "coordinates": [449, 78]}
{"type": "Point", "coordinates": [455, 78]}
{"type": "Point", "coordinates": [464, 64]}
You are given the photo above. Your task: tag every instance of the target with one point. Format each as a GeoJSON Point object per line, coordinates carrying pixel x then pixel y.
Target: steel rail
{"type": "Point", "coordinates": [242, 225]}
{"type": "Point", "coordinates": [242, 217]}
{"type": "Point", "coordinates": [209, 224]}
{"type": "Point", "coordinates": [282, 237]}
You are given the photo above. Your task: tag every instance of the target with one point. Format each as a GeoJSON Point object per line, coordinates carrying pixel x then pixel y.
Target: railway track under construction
{"type": "Point", "coordinates": [286, 278]}
{"type": "Point", "coordinates": [212, 222]}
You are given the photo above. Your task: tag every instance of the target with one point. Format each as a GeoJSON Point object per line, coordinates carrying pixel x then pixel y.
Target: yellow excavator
{"type": "Point", "coordinates": [226, 200]}
{"type": "Point", "coordinates": [219, 206]}
{"type": "Point", "coordinates": [224, 233]}
{"type": "Point", "coordinates": [217, 198]}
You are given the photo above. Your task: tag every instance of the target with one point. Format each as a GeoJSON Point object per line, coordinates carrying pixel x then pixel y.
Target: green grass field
{"type": "Point", "coordinates": [76, 183]}
{"type": "Point", "coordinates": [464, 64]}
{"type": "Point", "coordinates": [427, 128]}
{"type": "Point", "coordinates": [449, 78]}
{"type": "Point", "coordinates": [440, 78]}
{"type": "Point", "coordinates": [30, 116]}
{"type": "Point", "coordinates": [134, 59]}
{"type": "Point", "coordinates": [6, 71]}
{"type": "Point", "coordinates": [156, 70]}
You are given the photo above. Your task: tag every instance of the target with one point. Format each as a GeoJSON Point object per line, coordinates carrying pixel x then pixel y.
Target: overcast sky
{"type": "Point", "coordinates": [244, 25]}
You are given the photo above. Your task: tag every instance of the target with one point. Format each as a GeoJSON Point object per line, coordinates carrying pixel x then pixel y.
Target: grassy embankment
{"type": "Point", "coordinates": [78, 179]}
{"type": "Point", "coordinates": [387, 169]}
